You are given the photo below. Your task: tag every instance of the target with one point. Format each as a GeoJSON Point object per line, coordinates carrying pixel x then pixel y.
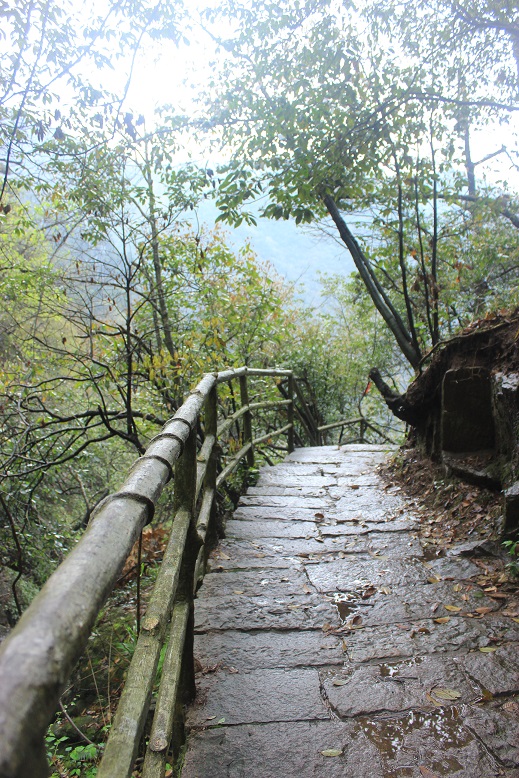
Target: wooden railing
{"type": "Point", "coordinates": [40, 654]}
{"type": "Point", "coordinates": [364, 426]}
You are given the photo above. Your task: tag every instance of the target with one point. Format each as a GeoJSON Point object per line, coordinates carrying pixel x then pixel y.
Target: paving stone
{"type": "Point", "coordinates": [274, 631]}
{"type": "Point", "coordinates": [353, 572]}
{"type": "Point", "coordinates": [498, 728]}
{"type": "Point", "coordinates": [261, 513]}
{"type": "Point", "coordinates": [370, 689]}
{"type": "Point", "coordinates": [389, 748]}
{"type": "Point", "coordinates": [259, 582]}
{"type": "Point", "coordinates": [268, 612]}
{"type": "Point", "coordinates": [458, 634]}
{"type": "Point", "coordinates": [437, 741]}
{"type": "Point", "coordinates": [284, 750]}
{"type": "Point", "coordinates": [449, 567]}
{"type": "Point", "coordinates": [290, 502]}
{"type": "Point", "coordinates": [364, 500]}
{"type": "Point", "coordinates": [286, 491]}
{"type": "Point", "coordinates": [270, 529]}
{"type": "Point", "coordinates": [316, 481]}
{"type": "Point", "coordinates": [497, 672]}
{"type": "Point", "coordinates": [266, 649]}
{"type": "Point", "coordinates": [258, 696]}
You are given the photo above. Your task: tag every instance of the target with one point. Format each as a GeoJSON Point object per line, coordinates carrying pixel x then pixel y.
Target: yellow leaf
{"type": "Point", "coordinates": [445, 694]}
{"type": "Point", "coordinates": [442, 620]}
{"type": "Point", "coordinates": [340, 682]}
{"type": "Point", "coordinates": [332, 752]}
{"type": "Point", "coordinates": [488, 649]}
{"type": "Point", "coordinates": [453, 608]}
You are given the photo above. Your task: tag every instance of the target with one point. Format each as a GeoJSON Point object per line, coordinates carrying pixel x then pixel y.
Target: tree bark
{"type": "Point", "coordinates": [377, 294]}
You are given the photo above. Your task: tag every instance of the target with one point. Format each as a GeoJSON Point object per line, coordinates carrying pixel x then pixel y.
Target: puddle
{"type": "Point", "coordinates": [429, 553]}
{"type": "Point", "coordinates": [402, 741]}
{"type": "Point", "coordinates": [389, 670]}
{"type": "Point", "coordinates": [345, 609]}
{"type": "Point", "coordinates": [346, 605]}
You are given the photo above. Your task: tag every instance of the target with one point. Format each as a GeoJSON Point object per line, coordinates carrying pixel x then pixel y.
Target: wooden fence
{"type": "Point", "coordinates": [40, 654]}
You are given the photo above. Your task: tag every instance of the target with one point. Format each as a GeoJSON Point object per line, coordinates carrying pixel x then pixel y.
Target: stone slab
{"type": "Point", "coordinates": [316, 481]}
{"type": "Point", "coordinates": [400, 686]}
{"type": "Point", "coordinates": [240, 612]}
{"type": "Point", "coordinates": [267, 649]}
{"type": "Point", "coordinates": [393, 748]}
{"type": "Point", "coordinates": [283, 750]}
{"type": "Point", "coordinates": [270, 529]}
{"type": "Point", "coordinates": [288, 501]}
{"type": "Point", "coordinates": [286, 491]}
{"type": "Point", "coordinates": [354, 572]}
{"type": "Point", "coordinates": [456, 568]}
{"type": "Point", "coordinates": [457, 635]}
{"type": "Point", "coordinates": [262, 513]}
{"type": "Point", "coordinates": [258, 582]}
{"type": "Point", "coordinates": [261, 696]}
{"type": "Point", "coordinates": [497, 726]}
{"type": "Point", "coordinates": [497, 672]}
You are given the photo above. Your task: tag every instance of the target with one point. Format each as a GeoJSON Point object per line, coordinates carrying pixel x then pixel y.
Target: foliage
{"type": "Point", "coordinates": [324, 119]}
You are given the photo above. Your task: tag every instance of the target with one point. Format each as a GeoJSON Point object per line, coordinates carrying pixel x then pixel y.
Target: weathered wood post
{"type": "Point", "coordinates": [247, 419]}
{"type": "Point", "coordinates": [185, 487]}
{"type": "Point", "coordinates": [290, 414]}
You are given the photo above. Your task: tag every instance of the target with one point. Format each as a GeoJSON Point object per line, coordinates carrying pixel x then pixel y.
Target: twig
{"type": "Point", "coordinates": [72, 724]}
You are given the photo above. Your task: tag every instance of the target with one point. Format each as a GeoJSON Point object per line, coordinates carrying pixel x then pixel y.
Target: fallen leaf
{"type": "Point", "coordinates": [435, 606]}
{"type": "Point", "coordinates": [445, 693]}
{"type": "Point", "coordinates": [457, 587]}
{"type": "Point", "coordinates": [516, 620]}
{"type": "Point", "coordinates": [452, 608]}
{"type": "Point", "coordinates": [385, 590]}
{"type": "Point", "coordinates": [319, 515]}
{"type": "Point", "coordinates": [221, 721]}
{"type": "Point", "coordinates": [223, 556]}
{"type": "Point", "coordinates": [368, 592]}
{"type": "Point", "coordinates": [426, 772]}
{"type": "Point", "coordinates": [238, 591]}
{"type": "Point", "coordinates": [307, 590]}
{"type": "Point", "coordinates": [442, 620]}
{"type": "Point", "coordinates": [354, 486]}
{"type": "Point", "coordinates": [340, 682]}
{"type": "Point", "coordinates": [488, 649]}
{"type": "Point", "coordinates": [483, 610]}
{"type": "Point", "coordinates": [332, 752]}
{"type": "Point", "coordinates": [434, 579]}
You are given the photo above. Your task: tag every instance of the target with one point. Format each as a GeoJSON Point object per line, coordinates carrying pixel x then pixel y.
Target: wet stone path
{"type": "Point", "coordinates": [328, 645]}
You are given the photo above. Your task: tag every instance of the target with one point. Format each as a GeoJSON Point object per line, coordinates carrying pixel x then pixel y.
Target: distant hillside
{"type": "Point", "coordinates": [297, 253]}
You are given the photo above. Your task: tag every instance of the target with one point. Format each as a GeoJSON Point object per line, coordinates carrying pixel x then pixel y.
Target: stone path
{"type": "Point", "coordinates": [325, 645]}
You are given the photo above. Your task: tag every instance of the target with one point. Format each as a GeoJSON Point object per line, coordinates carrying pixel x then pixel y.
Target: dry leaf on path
{"type": "Point", "coordinates": [444, 693]}
{"type": "Point", "coordinates": [332, 752]}
{"type": "Point", "coordinates": [426, 772]}
{"type": "Point", "coordinates": [442, 620]}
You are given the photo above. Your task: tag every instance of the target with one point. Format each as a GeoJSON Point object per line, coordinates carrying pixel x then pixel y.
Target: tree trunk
{"type": "Point", "coordinates": [377, 294]}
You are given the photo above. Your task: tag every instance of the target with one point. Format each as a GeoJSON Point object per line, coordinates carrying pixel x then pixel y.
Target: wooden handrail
{"type": "Point", "coordinates": [39, 655]}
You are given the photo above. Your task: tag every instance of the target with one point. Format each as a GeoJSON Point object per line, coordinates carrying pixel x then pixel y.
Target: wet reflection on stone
{"type": "Point", "coordinates": [394, 739]}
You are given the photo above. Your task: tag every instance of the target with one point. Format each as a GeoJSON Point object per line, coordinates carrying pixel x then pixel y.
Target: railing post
{"type": "Point", "coordinates": [290, 414]}
{"type": "Point", "coordinates": [185, 486]}
{"type": "Point", "coordinates": [211, 426]}
{"type": "Point", "coordinates": [247, 419]}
